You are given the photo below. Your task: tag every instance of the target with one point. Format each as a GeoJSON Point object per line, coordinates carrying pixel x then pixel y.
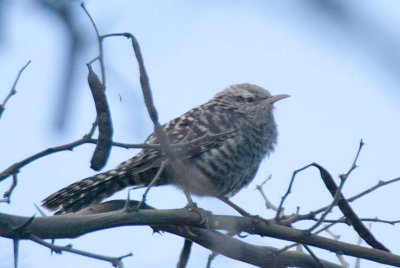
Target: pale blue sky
{"type": "Point", "coordinates": [339, 60]}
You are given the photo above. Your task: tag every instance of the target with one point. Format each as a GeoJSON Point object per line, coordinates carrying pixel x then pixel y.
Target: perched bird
{"type": "Point", "coordinates": [221, 143]}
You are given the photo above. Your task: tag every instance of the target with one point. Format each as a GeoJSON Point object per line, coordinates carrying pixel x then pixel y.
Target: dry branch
{"type": "Point", "coordinates": [13, 90]}
{"type": "Point", "coordinates": [74, 225]}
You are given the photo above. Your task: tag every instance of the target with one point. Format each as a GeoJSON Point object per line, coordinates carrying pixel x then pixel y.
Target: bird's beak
{"type": "Point", "coordinates": [275, 98]}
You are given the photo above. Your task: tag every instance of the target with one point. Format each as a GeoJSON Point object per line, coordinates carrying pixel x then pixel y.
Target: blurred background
{"type": "Point", "coordinates": [339, 61]}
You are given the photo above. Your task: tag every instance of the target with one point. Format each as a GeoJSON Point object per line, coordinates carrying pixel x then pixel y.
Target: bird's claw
{"type": "Point", "coordinates": [204, 214]}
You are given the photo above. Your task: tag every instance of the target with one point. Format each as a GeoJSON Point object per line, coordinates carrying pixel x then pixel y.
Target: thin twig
{"type": "Point", "coordinates": [320, 264]}
{"type": "Point", "coordinates": [326, 227]}
{"type": "Point", "coordinates": [13, 90]}
{"type": "Point", "coordinates": [268, 203]}
{"type": "Point", "coordinates": [329, 209]}
{"type": "Point", "coordinates": [103, 118]}
{"type": "Point", "coordinates": [241, 211]}
{"type": "Point", "coordinates": [152, 111]}
{"type": "Point", "coordinates": [346, 221]}
{"type": "Point", "coordinates": [380, 184]}
{"type": "Point", "coordinates": [100, 58]}
{"type": "Point", "coordinates": [210, 259]}
{"type": "Point", "coordinates": [40, 211]}
{"type": "Point", "coordinates": [354, 164]}
{"type": "Point", "coordinates": [8, 193]}
{"type": "Point", "coordinates": [342, 260]}
{"type": "Point", "coordinates": [280, 208]}
{"type": "Point", "coordinates": [361, 194]}
{"type": "Point", "coordinates": [15, 168]}
{"type": "Point", "coordinates": [152, 183]}
{"type": "Point", "coordinates": [115, 261]}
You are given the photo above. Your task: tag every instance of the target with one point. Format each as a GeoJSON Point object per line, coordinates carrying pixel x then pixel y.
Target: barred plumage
{"type": "Point", "coordinates": [221, 142]}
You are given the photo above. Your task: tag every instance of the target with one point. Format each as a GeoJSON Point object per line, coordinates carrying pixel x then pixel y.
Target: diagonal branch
{"type": "Point", "coordinates": [347, 211]}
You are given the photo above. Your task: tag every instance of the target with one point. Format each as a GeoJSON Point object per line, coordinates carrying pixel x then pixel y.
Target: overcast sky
{"type": "Point", "coordinates": [339, 61]}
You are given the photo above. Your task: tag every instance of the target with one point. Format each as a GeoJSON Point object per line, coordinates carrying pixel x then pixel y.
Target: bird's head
{"type": "Point", "coordinates": [250, 99]}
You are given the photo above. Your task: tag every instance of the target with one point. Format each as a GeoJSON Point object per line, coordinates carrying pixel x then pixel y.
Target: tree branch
{"type": "Point", "coordinates": [74, 225]}
{"type": "Point", "coordinates": [13, 90]}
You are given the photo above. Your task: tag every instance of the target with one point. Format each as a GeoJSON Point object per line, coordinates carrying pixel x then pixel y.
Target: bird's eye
{"type": "Point", "coordinates": [243, 99]}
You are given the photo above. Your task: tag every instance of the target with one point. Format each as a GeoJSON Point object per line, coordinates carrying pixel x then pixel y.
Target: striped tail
{"type": "Point", "coordinates": [94, 189]}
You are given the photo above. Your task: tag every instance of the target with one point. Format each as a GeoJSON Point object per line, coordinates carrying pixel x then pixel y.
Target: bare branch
{"type": "Point", "coordinates": [210, 259]}
{"type": "Point", "coordinates": [152, 111]}
{"type": "Point", "coordinates": [354, 165]}
{"type": "Point", "coordinates": [15, 168]}
{"type": "Point", "coordinates": [280, 208]}
{"type": "Point", "coordinates": [329, 209]}
{"type": "Point", "coordinates": [391, 222]}
{"type": "Point", "coordinates": [361, 194]}
{"type": "Point", "coordinates": [380, 184]}
{"type": "Point", "coordinates": [152, 183]}
{"type": "Point", "coordinates": [320, 264]}
{"type": "Point", "coordinates": [234, 206]}
{"type": "Point", "coordinates": [13, 90]}
{"type": "Point", "coordinates": [268, 203]}
{"type": "Point", "coordinates": [325, 228]}
{"type": "Point", "coordinates": [115, 261]}
{"type": "Point", "coordinates": [100, 44]}
{"type": "Point", "coordinates": [8, 193]}
{"type": "Point", "coordinates": [73, 225]}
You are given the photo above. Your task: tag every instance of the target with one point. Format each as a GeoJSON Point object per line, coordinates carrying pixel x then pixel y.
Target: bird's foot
{"type": "Point", "coordinates": [258, 218]}
{"type": "Point", "coordinates": [204, 214]}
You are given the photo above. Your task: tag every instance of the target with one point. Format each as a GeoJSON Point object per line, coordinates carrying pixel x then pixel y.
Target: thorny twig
{"type": "Point", "coordinates": [115, 261]}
